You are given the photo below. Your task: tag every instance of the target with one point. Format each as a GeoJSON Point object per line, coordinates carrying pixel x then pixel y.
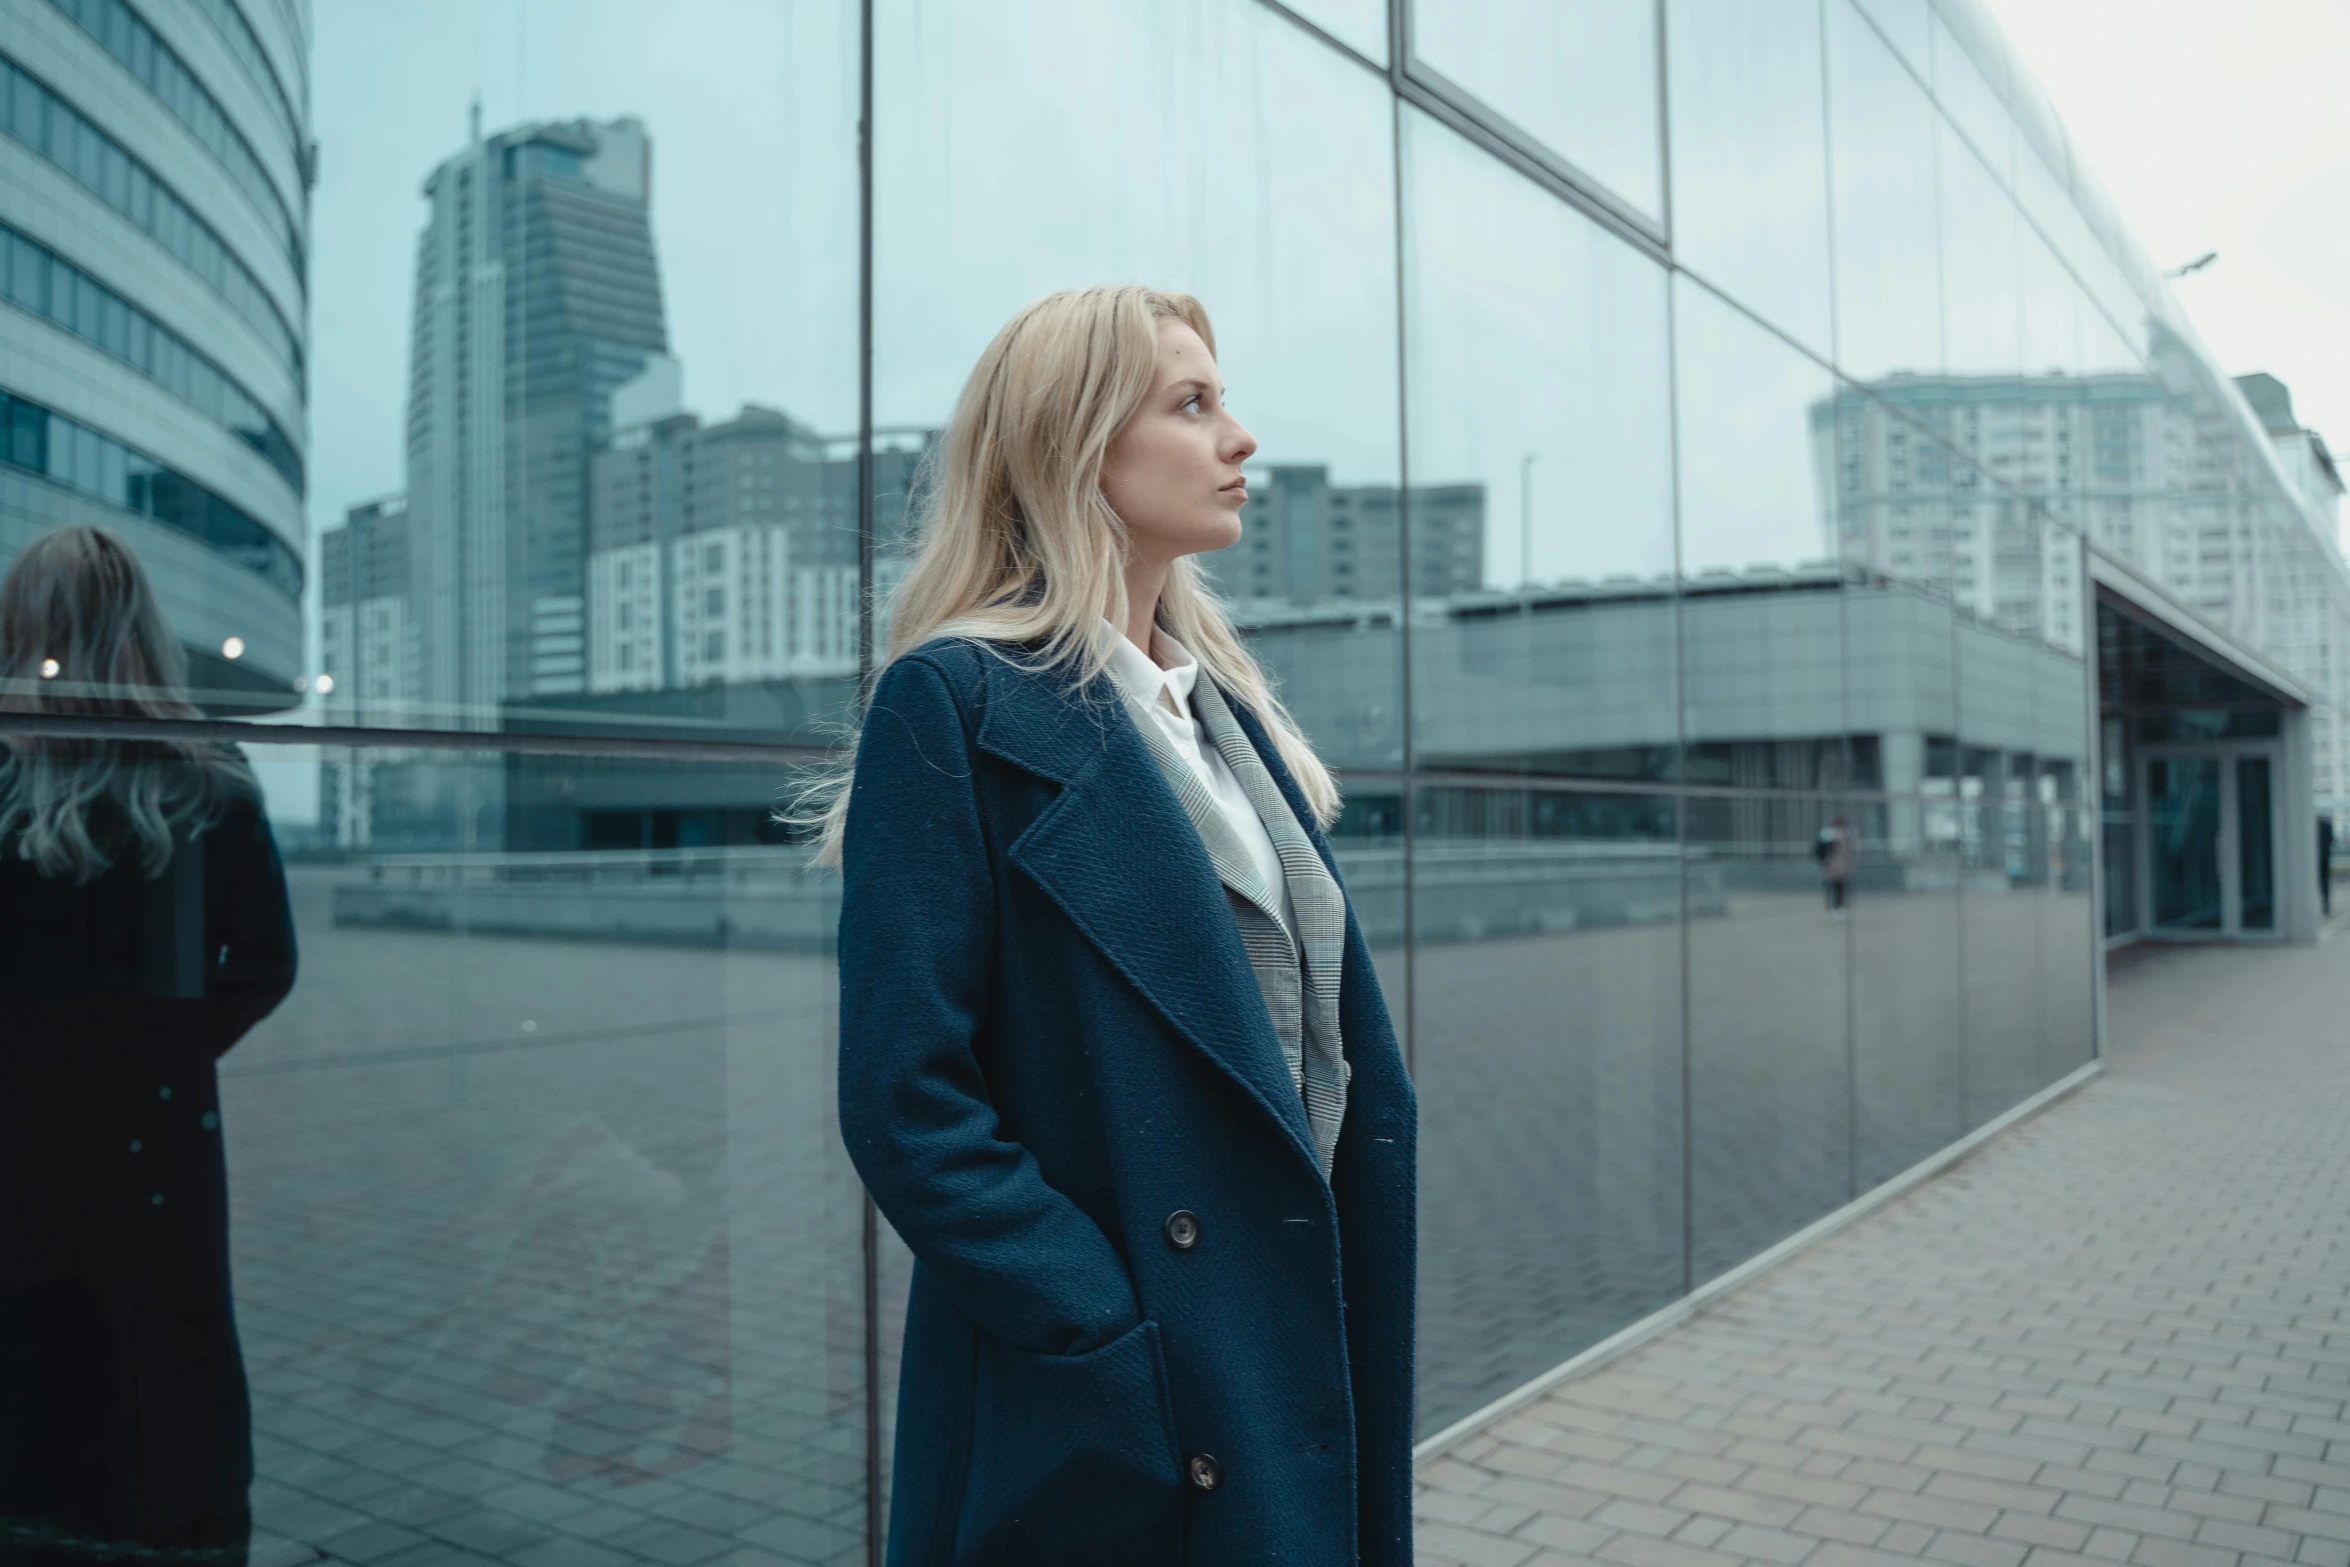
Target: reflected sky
{"type": "Point", "coordinates": [752, 186]}
{"type": "Point", "coordinates": [1211, 147]}
{"type": "Point", "coordinates": [1538, 365]}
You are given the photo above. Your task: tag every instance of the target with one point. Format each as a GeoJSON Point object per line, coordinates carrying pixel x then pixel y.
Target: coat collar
{"type": "Point", "coordinates": [1117, 853]}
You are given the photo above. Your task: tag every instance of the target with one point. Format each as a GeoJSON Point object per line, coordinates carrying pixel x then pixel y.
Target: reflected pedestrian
{"type": "Point", "coordinates": [143, 929]}
{"type": "Point", "coordinates": [1113, 1058]}
{"type": "Point", "coordinates": [1834, 849]}
{"type": "Point", "coordinates": [2325, 866]}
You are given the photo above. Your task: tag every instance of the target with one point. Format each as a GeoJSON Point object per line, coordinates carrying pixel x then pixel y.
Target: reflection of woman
{"type": "Point", "coordinates": [1113, 1058]}
{"type": "Point", "coordinates": [143, 929]}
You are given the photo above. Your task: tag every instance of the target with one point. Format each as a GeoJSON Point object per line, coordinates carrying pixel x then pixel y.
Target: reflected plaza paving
{"type": "Point", "coordinates": [546, 1250]}
{"type": "Point", "coordinates": [537, 1267]}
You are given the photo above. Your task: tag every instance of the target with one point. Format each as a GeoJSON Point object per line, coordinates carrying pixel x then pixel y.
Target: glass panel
{"type": "Point", "coordinates": [2052, 304]}
{"type": "Point", "coordinates": [1577, 78]}
{"type": "Point", "coordinates": [2068, 947]}
{"type": "Point", "coordinates": [1548, 1062]}
{"type": "Point", "coordinates": [2119, 827]}
{"type": "Point", "coordinates": [1361, 25]}
{"type": "Point", "coordinates": [1893, 481]}
{"type": "Point", "coordinates": [2001, 856]}
{"type": "Point", "coordinates": [2182, 822]}
{"type": "Point", "coordinates": [1271, 198]}
{"type": "Point", "coordinates": [1761, 626]}
{"type": "Point", "coordinates": [542, 1240]}
{"type": "Point", "coordinates": [2210, 723]}
{"type": "Point", "coordinates": [1770, 1103]}
{"type": "Point", "coordinates": [1888, 253]}
{"type": "Point", "coordinates": [541, 563]}
{"type": "Point", "coordinates": [1906, 1058]}
{"type": "Point", "coordinates": [1981, 304]}
{"type": "Point", "coordinates": [1906, 23]}
{"type": "Point", "coordinates": [1750, 157]}
{"type": "Point", "coordinates": [2256, 857]}
{"type": "Point", "coordinates": [1970, 99]}
{"type": "Point", "coordinates": [1541, 435]}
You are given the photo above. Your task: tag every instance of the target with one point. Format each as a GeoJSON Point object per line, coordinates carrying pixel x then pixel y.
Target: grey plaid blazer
{"type": "Point", "coordinates": [1299, 978]}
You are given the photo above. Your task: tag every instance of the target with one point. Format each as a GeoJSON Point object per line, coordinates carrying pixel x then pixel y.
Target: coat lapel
{"type": "Point", "coordinates": [1117, 853]}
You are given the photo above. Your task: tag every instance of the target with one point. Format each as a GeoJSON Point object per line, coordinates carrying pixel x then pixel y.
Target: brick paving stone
{"type": "Point", "coordinates": [1580, 1538]}
{"type": "Point", "coordinates": [1975, 1550]}
{"type": "Point", "coordinates": [1758, 1543]}
{"type": "Point", "coordinates": [2115, 1335]}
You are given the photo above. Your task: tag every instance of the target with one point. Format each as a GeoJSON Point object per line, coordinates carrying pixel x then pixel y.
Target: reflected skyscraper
{"type": "Point", "coordinates": [537, 294]}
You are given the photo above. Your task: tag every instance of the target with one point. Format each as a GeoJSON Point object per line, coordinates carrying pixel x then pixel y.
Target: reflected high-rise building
{"type": "Point", "coordinates": [537, 295]}
{"type": "Point", "coordinates": [155, 164]}
{"type": "Point", "coordinates": [1971, 485]}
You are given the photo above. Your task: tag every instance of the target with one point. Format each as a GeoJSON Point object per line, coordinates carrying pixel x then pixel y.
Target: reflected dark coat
{"type": "Point", "coordinates": [123, 1412]}
{"type": "Point", "coordinates": [1051, 1041]}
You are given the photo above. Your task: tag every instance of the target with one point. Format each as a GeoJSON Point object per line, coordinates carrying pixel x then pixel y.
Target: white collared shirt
{"type": "Point", "coordinates": [1161, 680]}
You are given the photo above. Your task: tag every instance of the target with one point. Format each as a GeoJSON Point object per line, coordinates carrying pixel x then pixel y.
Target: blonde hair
{"type": "Point", "coordinates": [81, 636]}
{"type": "Point", "coordinates": [1019, 546]}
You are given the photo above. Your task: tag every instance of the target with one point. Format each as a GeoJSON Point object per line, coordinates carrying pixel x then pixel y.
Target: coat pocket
{"type": "Point", "coordinates": [1072, 1458]}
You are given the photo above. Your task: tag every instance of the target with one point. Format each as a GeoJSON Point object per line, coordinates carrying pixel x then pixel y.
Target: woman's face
{"type": "Point", "coordinates": [1173, 473]}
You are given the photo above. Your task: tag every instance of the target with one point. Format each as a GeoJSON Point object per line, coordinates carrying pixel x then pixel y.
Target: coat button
{"type": "Point", "coordinates": [1204, 1471]}
{"type": "Point", "coordinates": [1183, 1233]}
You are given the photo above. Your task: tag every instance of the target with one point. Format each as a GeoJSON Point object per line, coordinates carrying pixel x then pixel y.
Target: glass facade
{"type": "Point", "coordinates": [1688, 432]}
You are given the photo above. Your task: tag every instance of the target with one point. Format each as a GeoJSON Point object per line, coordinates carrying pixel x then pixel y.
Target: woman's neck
{"type": "Point", "coordinates": [1145, 581]}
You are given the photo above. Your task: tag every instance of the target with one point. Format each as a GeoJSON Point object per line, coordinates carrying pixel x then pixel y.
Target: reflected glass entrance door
{"type": "Point", "coordinates": [2183, 843]}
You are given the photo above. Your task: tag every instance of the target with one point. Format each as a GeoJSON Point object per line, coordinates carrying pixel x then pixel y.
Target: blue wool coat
{"type": "Point", "coordinates": [1051, 1045]}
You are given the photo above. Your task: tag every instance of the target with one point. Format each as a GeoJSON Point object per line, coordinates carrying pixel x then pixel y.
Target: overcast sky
{"type": "Point", "coordinates": [2222, 125]}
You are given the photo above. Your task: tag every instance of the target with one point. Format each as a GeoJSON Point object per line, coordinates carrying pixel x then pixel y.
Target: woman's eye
{"type": "Point", "coordinates": [1192, 402]}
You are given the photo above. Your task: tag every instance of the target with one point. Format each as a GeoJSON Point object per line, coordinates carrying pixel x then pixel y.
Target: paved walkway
{"type": "Point", "coordinates": [2116, 1335]}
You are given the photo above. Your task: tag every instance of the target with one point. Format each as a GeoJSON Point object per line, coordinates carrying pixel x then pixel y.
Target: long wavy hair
{"type": "Point", "coordinates": [1019, 548]}
{"type": "Point", "coordinates": [81, 636]}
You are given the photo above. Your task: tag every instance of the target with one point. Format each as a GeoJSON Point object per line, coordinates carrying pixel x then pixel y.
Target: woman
{"type": "Point", "coordinates": [143, 930]}
{"type": "Point", "coordinates": [1113, 1058]}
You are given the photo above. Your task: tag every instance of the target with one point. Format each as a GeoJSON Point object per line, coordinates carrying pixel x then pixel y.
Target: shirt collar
{"type": "Point", "coordinates": [1168, 667]}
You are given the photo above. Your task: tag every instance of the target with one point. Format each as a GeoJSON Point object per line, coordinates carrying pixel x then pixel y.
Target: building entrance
{"type": "Point", "coordinates": [2211, 842]}
{"type": "Point", "coordinates": [2208, 812]}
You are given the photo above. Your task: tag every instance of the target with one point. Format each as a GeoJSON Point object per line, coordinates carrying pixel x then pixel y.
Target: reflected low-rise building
{"type": "Point", "coordinates": [721, 554]}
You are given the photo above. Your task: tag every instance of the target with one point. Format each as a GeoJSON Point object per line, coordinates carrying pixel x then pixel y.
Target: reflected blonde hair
{"type": "Point", "coordinates": [1019, 547]}
{"type": "Point", "coordinates": [81, 636]}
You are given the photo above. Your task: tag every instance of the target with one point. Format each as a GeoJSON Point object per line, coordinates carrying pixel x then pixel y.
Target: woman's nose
{"type": "Point", "coordinates": [1240, 446]}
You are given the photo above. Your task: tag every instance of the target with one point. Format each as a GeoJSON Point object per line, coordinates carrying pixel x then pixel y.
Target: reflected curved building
{"type": "Point", "coordinates": [155, 163]}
